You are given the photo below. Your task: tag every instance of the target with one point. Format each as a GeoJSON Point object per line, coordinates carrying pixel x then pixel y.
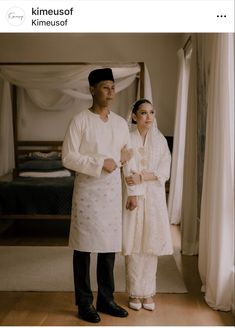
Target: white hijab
{"type": "Point", "coordinates": [153, 141]}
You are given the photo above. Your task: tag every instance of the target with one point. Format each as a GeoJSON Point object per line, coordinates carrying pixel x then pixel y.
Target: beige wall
{"type": "Point", "coordinates": [158, 51]}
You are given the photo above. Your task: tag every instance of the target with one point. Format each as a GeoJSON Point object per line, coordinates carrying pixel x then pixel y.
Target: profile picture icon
{"type": "Point", "coordinates": [15, 16]}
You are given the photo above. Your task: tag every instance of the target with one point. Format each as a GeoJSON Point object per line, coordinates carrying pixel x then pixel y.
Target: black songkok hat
{"type": "Point", "coordinates": [101, 74]}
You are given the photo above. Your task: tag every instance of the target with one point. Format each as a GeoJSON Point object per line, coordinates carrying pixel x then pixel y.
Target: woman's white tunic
{"type": "Point", "coordinates": [147, 228]}
{"type": "Point", "coordinates": [96, 222]}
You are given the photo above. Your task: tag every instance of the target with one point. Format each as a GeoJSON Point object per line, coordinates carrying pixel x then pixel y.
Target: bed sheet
{"type": "Point", "coordinates": [36, 196]}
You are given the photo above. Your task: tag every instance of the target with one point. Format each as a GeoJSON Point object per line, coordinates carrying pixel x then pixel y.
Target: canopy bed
{"type": "Point", "coordinates": [37, 186]}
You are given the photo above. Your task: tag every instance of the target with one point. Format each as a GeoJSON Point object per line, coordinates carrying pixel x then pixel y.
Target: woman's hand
{"type": "Point", "coordinates": [148, 176]}
{"type": "Point", "coordinates": [131, 203]}
{"type": "Point", "coordinates": [126, 155]}
{"type": "Point", "coordinates": [133, 179]}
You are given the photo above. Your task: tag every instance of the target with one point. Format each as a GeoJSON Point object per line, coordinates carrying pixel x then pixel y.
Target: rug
{"type": "Point", "coordinates": [43, 268]}
{"type": "Point", "coordinates": [169, 279]}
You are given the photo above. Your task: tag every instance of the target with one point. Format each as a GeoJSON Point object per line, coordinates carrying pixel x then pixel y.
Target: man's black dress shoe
{"type": "Point", "coordinates": [88, 313]}
{"type": "Point", "coordinates": [111, 308]}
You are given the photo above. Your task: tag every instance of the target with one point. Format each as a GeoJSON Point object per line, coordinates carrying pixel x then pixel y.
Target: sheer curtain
{"type": "Point", "coordinates": [216, 239]}
{"type": "Point", "coordinates": [177, 170]}
{"type": "Point", "coordinates": [189, 215]}
{"type": "Point", "coordinates": [51, 88]}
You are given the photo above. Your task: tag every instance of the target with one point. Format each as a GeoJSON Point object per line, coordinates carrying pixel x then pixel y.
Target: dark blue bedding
{"type": "Point", "coordinates": [36, 196]}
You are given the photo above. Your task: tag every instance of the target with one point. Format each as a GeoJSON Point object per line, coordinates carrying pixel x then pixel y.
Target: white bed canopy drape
{"type": "Point", "coordinates": [53, 88]}
{"type": "Point", "coordinates": [62, 85]}
{"type": "Point", "coordinates": [216, 238]}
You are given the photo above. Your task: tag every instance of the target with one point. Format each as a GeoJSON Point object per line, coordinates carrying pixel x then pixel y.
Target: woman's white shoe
{"type": "Point", "coordinates": [149, 306]}
{"type": "Point", "coordinates": [135, 305]}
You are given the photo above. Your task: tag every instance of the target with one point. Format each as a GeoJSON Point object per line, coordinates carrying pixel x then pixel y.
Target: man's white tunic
{"type": "Point", "coordinates": [96, 222]}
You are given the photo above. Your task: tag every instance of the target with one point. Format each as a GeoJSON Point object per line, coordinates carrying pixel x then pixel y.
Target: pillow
{"type": "Point", "coordinates": [54, 174]}
{"type": "Point", "coordinates": [53, 155]}
{"type": "Point", "coordinates": [41, 166]}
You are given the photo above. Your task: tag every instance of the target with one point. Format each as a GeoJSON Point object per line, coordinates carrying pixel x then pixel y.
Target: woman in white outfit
{"type": "Point", "coordinates": [146, 230]}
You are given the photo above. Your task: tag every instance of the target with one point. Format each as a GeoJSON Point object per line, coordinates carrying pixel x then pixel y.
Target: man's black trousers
{"type": "Point", "coordinates": [104, 273]}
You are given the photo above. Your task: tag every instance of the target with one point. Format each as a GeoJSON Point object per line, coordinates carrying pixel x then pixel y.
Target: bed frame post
{"type": "Point", "coordinates": [14, 118]}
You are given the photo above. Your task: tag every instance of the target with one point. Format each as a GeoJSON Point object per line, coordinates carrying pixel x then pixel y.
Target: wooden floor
{"type": "Point", "coordinates": [57, 308]}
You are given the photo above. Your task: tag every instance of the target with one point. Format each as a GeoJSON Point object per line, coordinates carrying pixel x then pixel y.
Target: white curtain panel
{"type": "Point", "coordinates": [189, 216]}
{"type": "Point", "coordinates": [177, 169]}
{"type": "Point", "coordinates": [216, 239]}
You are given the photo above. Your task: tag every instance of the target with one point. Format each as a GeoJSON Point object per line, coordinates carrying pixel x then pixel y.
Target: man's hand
{"type": "Point", "coordinates": [131, 203]}
{"type": "Point", "coordinates": [109, 165]}
{"type": "Point", "coordinates": [133, 179]}
{"type": "Point", "coordinates": [126, 155]}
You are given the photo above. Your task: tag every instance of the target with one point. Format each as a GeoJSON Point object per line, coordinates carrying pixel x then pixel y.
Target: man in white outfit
{"type": "Point", "coordinates": [92, 148]}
